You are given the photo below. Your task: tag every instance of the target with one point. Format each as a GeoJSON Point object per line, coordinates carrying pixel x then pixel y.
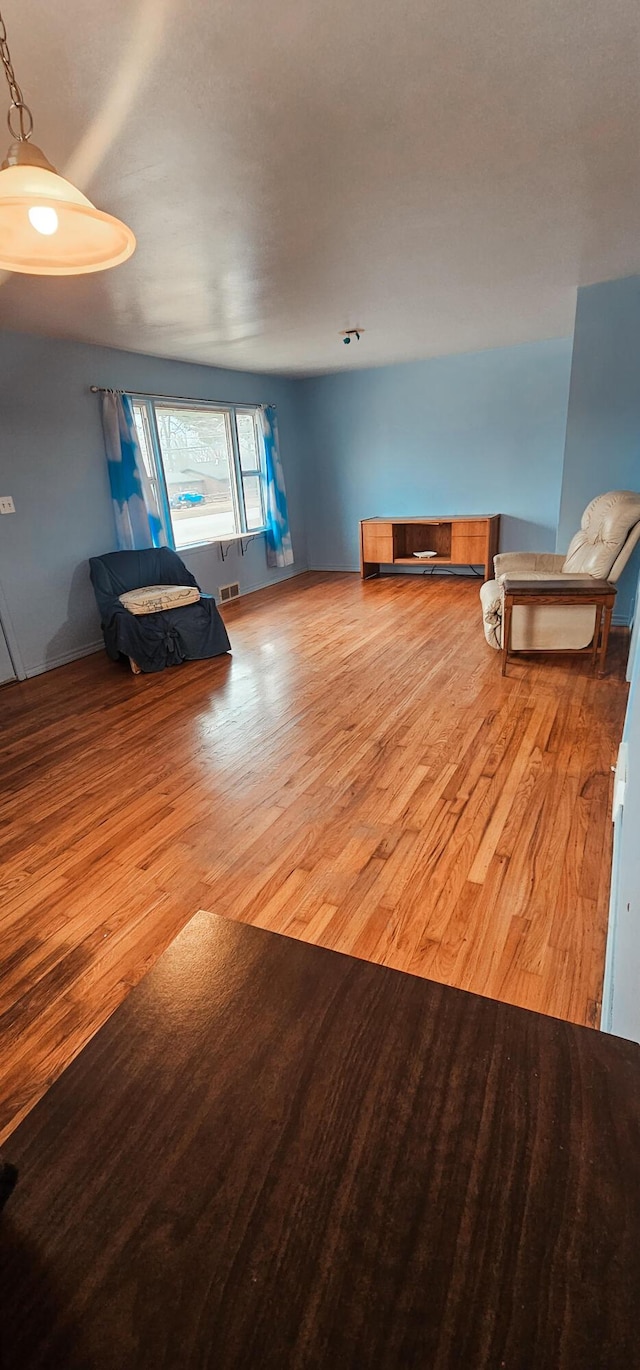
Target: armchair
{"type": "Point", "coordinates": [608, 533]}
{"type": "Point", "coordinates": [154, 640]}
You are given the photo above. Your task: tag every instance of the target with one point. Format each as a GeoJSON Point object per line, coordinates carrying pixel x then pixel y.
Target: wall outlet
{"type": "Point", "coordinates": [228, 591]}
{"type": "Point", "coordinates": [7, 505]}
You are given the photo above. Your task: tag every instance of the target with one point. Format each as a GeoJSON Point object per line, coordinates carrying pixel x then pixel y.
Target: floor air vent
{"type": "Point", "coordinates": [228, 591]}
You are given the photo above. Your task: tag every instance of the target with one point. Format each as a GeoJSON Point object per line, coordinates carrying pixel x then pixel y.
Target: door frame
{"type": "Point", "coordinates": [11, 640]}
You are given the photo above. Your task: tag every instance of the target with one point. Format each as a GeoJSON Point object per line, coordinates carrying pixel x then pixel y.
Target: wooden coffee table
{"type": "Point", "coordinates": [275, 1157]}
{"type": "Point", "coordinates": [600, 593]}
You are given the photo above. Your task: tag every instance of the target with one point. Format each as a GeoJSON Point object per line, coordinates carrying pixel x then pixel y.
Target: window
{"type": "Point", "coordinates": [205, 464]}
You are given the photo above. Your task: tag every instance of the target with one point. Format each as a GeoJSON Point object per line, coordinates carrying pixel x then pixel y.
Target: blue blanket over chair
{"type": "Point", "coordinates": [188, 633]}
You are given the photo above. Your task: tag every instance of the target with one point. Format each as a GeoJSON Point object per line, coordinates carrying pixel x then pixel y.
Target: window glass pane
{"type": "Point", "coordinates": [247, 442]}
{"type": "Point", "coordinates": [141, 419]}
{"type": "Point", "coordinates": [143, 434]}
{"type": "Point", "coordinates": [253, 501]}
{"type": "Point", "coordinates": [198, 465]}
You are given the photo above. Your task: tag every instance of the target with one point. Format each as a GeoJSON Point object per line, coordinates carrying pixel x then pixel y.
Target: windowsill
{"type": "Point", "coordinates": [213, 542]}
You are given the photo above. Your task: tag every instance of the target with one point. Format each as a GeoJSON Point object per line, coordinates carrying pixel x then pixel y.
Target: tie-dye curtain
{"type": "Point", "coordinates": [279, 549]}
{"type": "Point", "coordinates": [138, 520]}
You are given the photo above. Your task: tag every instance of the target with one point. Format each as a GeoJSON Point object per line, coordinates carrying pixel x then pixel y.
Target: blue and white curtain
{"type": "Point", "coordinates": [138, 519]}
{"type": "Point", "coordinates": [279, 549]}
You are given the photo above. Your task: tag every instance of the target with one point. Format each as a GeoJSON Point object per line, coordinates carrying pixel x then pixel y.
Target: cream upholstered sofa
{"type": "Point", "coordinates": [608, 533]}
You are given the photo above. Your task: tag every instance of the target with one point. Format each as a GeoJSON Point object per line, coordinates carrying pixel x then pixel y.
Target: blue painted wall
{"type": "Point", "coordinates": [52, 461]}
{"type": "Point", "coordinates": [603, 424]}
{"type": "Point", "coordinates": [479, 433]}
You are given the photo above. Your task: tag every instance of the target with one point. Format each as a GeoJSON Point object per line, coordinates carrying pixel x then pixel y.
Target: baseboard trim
{"type": "Point", "coordinates": [267, 584]}
{"type": "Point", "coordinates": [418, 569]}
{"type": "Point", "coordinates": [65, 658]}
{"type": "Point", "coordinates": [344, 570]}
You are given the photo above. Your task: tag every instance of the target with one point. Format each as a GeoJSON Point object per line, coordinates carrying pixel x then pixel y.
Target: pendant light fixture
{"type": "Point", "coordinates": [47, 227]}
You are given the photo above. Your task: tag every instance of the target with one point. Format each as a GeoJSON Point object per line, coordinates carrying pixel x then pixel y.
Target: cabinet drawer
{"type": "Point", "coordinates": [469, 546]}
{"type": "Point", "coordinates": [377, 542]}
{"type": "Point", "coordinates": [473, 528]}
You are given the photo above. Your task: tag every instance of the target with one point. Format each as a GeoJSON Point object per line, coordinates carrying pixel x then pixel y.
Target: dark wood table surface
{"type": "Point", "coordinates": [558, 585]}
{"type": "Point", "coordinates": [275, 1156]}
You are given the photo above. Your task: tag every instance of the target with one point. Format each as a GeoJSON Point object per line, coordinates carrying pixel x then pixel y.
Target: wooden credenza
{"type": "Point", "coordinates": [457, 540]}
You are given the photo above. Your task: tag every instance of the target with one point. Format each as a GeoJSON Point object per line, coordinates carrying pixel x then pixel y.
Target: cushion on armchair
{"type": "Point", "coordinates": [527, 564]}
{"type": "Point", "coordinates": [152, 599]}
{"type": "Point", "coordinates": [604, 528]}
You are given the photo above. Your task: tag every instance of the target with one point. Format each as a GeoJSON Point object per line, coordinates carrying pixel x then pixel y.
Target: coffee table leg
{"type": "Point", "coordinates": [607, 613]}
{"type": "Point", "coordinates": [506, 633]}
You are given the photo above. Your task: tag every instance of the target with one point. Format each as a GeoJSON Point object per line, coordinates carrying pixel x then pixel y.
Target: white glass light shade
{"type": "Point", "coordinates": [84, 239]}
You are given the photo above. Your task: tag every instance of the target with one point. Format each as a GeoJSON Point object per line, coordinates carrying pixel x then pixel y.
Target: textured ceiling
{"type": "Point", "coordinates": [443, 173]}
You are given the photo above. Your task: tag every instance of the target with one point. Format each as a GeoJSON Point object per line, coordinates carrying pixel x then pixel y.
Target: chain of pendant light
{"type": "Point", "coordinates": [17, 103]}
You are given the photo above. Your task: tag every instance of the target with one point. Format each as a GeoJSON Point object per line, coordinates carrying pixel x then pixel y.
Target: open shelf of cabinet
{"type": "Point", "coordinates": [421, 561]}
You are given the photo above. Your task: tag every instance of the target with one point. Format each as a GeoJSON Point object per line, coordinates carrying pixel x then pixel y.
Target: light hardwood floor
{"type": "Point", "coordinates": [357, 774]}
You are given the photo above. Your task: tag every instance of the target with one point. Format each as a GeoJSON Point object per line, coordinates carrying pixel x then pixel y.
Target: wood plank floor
{"type": "Point", "coordinates": [357, 774]}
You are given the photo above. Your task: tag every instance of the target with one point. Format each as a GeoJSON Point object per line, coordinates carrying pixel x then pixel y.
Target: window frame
{"type": "Point", "coordinates": [147, 403]}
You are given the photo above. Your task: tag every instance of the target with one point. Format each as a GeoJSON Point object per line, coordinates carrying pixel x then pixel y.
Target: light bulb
{"type": "Point", "coordinates": [43, 219]}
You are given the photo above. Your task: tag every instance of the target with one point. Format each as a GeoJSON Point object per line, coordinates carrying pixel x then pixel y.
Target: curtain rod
{"type": "Point", "coordinates": [181, 399]}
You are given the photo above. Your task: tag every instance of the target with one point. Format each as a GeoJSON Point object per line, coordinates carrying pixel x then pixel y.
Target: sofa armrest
{"type": "Point", "coordinates": [524, 563]}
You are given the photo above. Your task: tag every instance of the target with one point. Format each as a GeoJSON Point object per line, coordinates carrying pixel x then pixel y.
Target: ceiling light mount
{"type": "Point", "coordinates": [23, 153]}
{"type": "Point", "coordinates": [47, 227]}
